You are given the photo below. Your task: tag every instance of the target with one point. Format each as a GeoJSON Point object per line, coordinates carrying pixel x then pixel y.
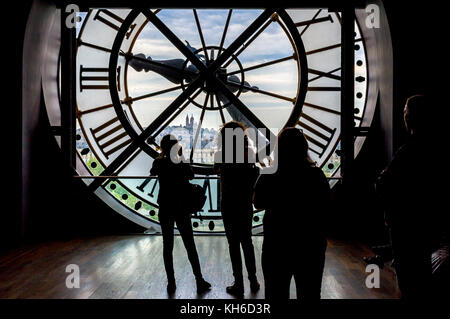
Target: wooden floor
{"type": "Point", "coordinates": [132, 267]}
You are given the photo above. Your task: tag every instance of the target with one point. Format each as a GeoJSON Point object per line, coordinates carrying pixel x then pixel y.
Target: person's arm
{"type": "Point", "coordinates": [261, 196]}
{"type": "Point", "coordinates": [381, 190]}
{"type": "Point", "coordinates": [385, 187]}
{"type": "Point", "coordinates": [189, 173]}
{"type": "Point", "coordinates": [217, 163]}
{"type": "Point", "coordinates": [324, 197]}
{"type": "Point", "coordinates": [155, 170]}
{"type": "Point", "coordinates": [254, 174]}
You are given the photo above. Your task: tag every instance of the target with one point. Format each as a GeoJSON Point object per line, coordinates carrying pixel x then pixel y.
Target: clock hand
{"type": "Point", "coordinates": [172, 69]}
{"type": "Point", "coordinates": [236, 84]}
{"type": "Point", "coordinates": [259, 141]}
{"type": "Point", "coordinates": [233, 83]}
{"type": "Point", "coordinates": [200, 56]}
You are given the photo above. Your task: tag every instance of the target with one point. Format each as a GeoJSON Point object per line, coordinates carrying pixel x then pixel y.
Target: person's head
{"type": "Point", "coordinates": [414, 115]}
{"type": "Point", "coordinates": [167, 143]}
{"type": "Point", "coordinates": [292, 148]}
{"type": "Point", "coordinates": [233, 138]}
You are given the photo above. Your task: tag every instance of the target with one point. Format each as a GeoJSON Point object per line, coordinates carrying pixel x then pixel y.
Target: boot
{"type": "Point", "coordinates": [202, 285]}
{"type": "Point", "coordinates": [171, 285]}
{"type": "Point", "coordinates": [236, 289]}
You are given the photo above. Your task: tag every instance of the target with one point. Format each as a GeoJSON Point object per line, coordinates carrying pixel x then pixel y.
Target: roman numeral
{"type": "Point", "coordinates": [317, 133]}
{"type": "Point", "coordinates": [314, 20]}
{"type": "Point", "coordinates": [107, 144]}
{"type": "Point", "coordinates": [207, 187]}
{"type": "Point", "coordinates": [327, 48]}
{"type": "Point", "coordinates": [307, 23]}
{"type": "Point", "coordinates": [328, 110]}
{"type": "Point", "coordinates": [324, 88]}
{"type": "Point", "coordinates": [145, 183]}
{"type": "Point", "coordinates": [88, 76]}
{"type": "Point", "coordinates": [112, 20]}
{"type": "Point", "coordinates": [319, 74]}
{"type": "Point", "coordinates": [321, 108]}
{"type": "Point", "coordinates": [92, 46]}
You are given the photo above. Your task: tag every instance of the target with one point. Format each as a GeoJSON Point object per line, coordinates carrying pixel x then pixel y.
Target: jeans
{"type": "Point", "coordinates": [238, 229]}
{"type": "Point", "coordinates": [280, 264]}
{"type": "Point", "coordinates": [183, 220]}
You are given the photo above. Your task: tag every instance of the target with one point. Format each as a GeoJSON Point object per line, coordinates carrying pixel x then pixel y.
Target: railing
{"type": "Point", "coordinates": [155, 177]}
{"type": "Point", "coordinates": [203, 220]}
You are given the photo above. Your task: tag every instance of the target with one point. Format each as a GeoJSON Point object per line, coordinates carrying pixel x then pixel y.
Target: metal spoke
{"type": "Point", "coordinates": [132, 157]}
{"type": "Point", "coordinates": [220, 108]}
{"type": "Point", "coordinates": [145, 96]}
{"type": "Point", "coordinates": [306, 28]}
{"type": "Point", "coordinates": [245, 45]}
{"type": "Point", "coordinates": [239, 41]}
{"type": "Point", "coordinates": [199, 28]}
{"type": "Point", "coordinates": [225, 30]}
{"type": "Point", "coordinates": [212, 100]}
{"type": "Point", "coordinates": [264, 64]}
{"type": "Point", "coordinates": [199, 127]}
{"type": "Point", "coordinates": [174, 39]}
{"type": "Point", "coordinates": [174, 115]}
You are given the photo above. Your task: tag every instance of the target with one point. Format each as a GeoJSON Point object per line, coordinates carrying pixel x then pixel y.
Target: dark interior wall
{"type": "Point", "coordinates": [411, 36]}
{"type": "Point", "coordinates": [401, 73]}
{"type": "Point", "coordinates": [47, 202]}
{"type": "Point", "coordinates": [10, 215]}
{"type": "Point", "coordinates": [357, 211]}
{"type": "Point", "coordinates": [34, 52]}
{"type": "Point", "coordinates": [60, 206]}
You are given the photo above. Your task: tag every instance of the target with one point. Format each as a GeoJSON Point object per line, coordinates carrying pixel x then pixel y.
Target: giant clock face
{"type": "Point", "coordinates": [144, 74]}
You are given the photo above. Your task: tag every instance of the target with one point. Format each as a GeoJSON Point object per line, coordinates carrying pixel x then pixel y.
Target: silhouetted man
{"type": "Point", "coordinates": [407, 189]}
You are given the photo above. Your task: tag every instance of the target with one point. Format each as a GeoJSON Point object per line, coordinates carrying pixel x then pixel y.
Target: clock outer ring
{"type": "Point", "coordinates": [201, 169]}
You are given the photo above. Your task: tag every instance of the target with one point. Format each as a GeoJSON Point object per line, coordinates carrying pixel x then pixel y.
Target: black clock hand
{"type": "Point", "coordinates": [172, 69]}
{"type": "Point", "coordinates": [233, 83]}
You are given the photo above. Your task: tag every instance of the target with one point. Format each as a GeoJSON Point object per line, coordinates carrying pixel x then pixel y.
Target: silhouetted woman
{"type": "Point", "coordinates": [174, 176]}
{"type": "Point", "coordinates": [296, 201]}
{"type": "Point", "coordinates": [234, 162]}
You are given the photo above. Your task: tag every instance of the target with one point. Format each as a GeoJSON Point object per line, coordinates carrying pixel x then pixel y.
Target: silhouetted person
{"type": "Point", "coordinates": [407, 188]}
{"type": "Point", "coordinates": [235, 163]}
{"type": "Point", "coordinates": [174, 176]}
{"type": "Point", "coordinates": [296, 200]}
